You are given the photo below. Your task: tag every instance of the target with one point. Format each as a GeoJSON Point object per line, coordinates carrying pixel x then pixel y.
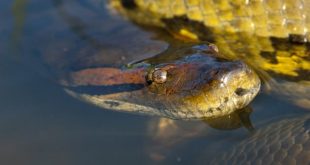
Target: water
{"type": "Point", "coordinates": [41, 124]}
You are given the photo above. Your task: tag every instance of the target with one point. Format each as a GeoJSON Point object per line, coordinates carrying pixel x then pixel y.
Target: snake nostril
{"type": "Point", "coordinates": [241, 91]}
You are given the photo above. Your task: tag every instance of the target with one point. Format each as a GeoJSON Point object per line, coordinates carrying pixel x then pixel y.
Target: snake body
{"type": "Point", "coordinates": [264, 18]}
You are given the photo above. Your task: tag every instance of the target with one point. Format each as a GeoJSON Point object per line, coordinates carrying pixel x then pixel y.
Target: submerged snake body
{"type": "Point", "coordinates": [283, 142]}
{"type": "Point", "coordinates": [270, 36]}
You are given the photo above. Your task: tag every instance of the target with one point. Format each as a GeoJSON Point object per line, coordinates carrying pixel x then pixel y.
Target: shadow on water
{"type": "Point", "coordinates": [40, 123]}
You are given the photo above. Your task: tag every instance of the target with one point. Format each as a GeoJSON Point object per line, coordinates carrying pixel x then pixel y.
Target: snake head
{"type": "Point", "coordinates": [197, 83]}
{"type": "Point", "coordinates": [202, 85]}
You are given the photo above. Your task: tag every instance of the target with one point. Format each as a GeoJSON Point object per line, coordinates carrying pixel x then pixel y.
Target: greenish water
{"type": "Point", "coordinates": [41, 124]}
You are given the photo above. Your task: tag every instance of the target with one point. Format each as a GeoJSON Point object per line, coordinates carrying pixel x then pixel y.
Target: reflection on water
{"type": "Point", "coordinates": [41, 124]}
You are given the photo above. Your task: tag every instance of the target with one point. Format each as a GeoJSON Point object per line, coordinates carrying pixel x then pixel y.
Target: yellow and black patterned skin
{"type": "Point", "coordinates": [265, 18]}
{"type": "Point", "coordinates": [271, 36]}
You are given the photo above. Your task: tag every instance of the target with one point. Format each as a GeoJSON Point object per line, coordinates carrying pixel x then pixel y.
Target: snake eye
{"type": "Point", "coordinates": [159, 76]}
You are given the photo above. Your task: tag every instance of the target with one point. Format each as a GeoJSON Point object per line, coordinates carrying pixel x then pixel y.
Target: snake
{"type": "Point", "coordinates": [196, 79]}
{"type": "Point", "coordinates": [279, 60]}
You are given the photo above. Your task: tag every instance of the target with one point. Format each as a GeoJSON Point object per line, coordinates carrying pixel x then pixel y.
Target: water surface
{"type": "Point", "coordinates": [41, 124]}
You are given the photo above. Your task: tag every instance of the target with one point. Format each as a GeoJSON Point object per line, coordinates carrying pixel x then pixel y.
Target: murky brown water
{"type": "Point", "coordinates": [41, 124]}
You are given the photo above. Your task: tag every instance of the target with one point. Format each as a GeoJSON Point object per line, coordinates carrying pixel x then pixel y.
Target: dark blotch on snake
{"type": "Point", "coordinates": [297, 39]}
{"type": "Point", "coordinates": [129, 4]}
{"type": "Point", "coordinates": [270, 56]}
{"type": "Point", "coordinates": [112, 103]}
